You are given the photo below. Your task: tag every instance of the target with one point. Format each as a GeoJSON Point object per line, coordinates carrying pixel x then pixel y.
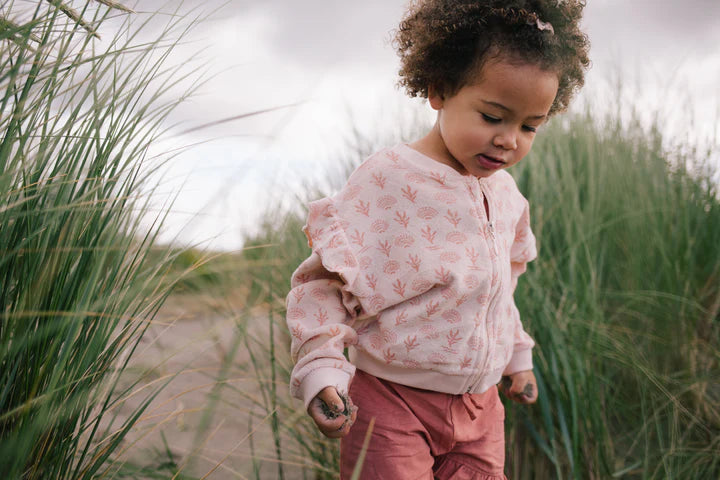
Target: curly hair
{"type": "Point", "coordinates": [443, 43]}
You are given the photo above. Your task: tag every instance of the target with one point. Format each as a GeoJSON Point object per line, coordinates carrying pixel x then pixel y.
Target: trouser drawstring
{"type": "Point", "coordinates": [469, 402]}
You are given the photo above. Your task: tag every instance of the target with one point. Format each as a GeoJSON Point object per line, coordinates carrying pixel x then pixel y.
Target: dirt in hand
{"type": "Point", "coordinates": [331, 413]}
{"type": "Point", "coordinates": [528, 390]}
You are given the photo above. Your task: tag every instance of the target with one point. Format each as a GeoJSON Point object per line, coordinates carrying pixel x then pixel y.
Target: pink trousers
{"type": "Point", "coordinates": [420, 434]}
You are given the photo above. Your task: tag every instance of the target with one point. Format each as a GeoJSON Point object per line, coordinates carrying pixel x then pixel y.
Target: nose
{"type": "Point", "coordinates": [506, 139]}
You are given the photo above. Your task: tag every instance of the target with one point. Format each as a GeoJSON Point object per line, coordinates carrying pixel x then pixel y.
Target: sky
{"type": "Point", "coordinates": [327, 68]}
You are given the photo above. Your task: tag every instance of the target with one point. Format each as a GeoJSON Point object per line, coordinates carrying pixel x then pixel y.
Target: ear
{"type": "Point", "coordinates": [435, 99]}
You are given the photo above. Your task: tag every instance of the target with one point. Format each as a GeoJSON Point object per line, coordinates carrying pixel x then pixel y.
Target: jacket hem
{"type": "Point", "coordinates": [424, 379]}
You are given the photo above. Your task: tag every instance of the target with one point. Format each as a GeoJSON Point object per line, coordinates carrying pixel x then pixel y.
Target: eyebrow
{"type": "Point", "coordinates": [503, 107]}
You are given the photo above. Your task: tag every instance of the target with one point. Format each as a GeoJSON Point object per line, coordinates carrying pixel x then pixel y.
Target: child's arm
{"type": "Point", "coordinates": [519, 381]}
{"type": "Point", "coordinates": [320, 315]}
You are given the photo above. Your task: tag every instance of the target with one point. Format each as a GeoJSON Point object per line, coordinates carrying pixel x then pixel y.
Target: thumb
{"type": "Point", "coordinates": [331, 398]}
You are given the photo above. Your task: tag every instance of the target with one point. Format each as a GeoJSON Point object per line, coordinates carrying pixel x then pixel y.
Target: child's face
{"type": "Point", "coordinates": [490, 123]}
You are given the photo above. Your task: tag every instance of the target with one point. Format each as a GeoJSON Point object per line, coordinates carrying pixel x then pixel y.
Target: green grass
{"type": "Point", "coordinates": [77, 287]}
{"type": "Point", "coordinates": [623, 302]}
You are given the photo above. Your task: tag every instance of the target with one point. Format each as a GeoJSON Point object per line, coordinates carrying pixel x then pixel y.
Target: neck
{"type": "Point", "coordinates": [433, 146]}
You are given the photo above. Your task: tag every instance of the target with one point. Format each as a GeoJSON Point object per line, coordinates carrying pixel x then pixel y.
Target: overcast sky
{"type": "Point", "coordinates": [332, 60]}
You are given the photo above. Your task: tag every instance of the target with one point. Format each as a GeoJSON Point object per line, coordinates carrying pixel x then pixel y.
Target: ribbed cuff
{"type": "Point", "coordinates": [323, 377]}
{"type": "Point", "coordinates": [521, 361]}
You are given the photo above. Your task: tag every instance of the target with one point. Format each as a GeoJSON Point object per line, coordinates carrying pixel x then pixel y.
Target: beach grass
{"type": "Point", "coordinates": [78, 285]}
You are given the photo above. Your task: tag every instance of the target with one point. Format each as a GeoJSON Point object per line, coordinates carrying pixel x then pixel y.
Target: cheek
{"type": "Point", "coordinates": [463, 136]}
{"type": "Point", "coordinates": [526, 146]}
{"type": "Point", "coordinates": [476, 135]}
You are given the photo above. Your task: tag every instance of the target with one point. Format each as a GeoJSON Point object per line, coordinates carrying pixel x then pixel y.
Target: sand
{"type": "Point", "coordinates": [189, 424]}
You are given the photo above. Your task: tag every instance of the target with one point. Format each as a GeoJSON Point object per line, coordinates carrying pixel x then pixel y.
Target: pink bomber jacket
{"type": "Point", "coordinates": [408, 271]}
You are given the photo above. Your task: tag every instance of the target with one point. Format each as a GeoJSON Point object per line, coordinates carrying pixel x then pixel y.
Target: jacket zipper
{"type": "Point", "coordinates": [491, 303]}
{"type": "Point", "coordinates": [491, 228]}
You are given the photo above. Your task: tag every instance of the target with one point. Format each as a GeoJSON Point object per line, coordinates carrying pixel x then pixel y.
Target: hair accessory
{"type": "Point", "coordinates": [542, 26]}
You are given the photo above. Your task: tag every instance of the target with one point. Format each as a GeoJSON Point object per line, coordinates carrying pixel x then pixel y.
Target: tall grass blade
{"type": "Point", "coordinates": [357, 471]}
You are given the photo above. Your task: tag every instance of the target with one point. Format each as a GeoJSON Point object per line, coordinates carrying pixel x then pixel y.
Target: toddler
{"type": "Point", "coordinates": [415, 261]}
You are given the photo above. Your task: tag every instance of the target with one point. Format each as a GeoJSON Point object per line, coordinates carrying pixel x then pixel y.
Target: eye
{"type": "Point", "coordinates": [528, 128]}
{"type": "Point", "coordinates": [490, 118]}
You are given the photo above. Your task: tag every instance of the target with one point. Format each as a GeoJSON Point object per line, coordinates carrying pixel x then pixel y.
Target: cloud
{"type": "Point", "coordinates": [321, 32]}
{"type": "Point", "coordinates": [653, 30]}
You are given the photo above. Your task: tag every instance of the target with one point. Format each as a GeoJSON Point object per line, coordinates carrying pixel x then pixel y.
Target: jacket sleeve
{"type": "Point", "coordinates": [324, 303]}
{"type": "Point", "coordinates": [522, 251]}
{"type": "Point", "coordinates": [320, 316]}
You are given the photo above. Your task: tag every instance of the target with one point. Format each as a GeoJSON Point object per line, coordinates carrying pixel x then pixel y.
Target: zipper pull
{"type": "Point", "coordinates": [491, 228]}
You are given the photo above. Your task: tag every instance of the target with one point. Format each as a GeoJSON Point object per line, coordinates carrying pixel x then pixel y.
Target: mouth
{"type": "Point", "coordinates": [492, 160]}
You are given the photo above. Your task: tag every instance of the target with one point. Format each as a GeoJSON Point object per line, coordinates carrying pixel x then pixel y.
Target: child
{"type": "Point", "coordinates": [415, 261]}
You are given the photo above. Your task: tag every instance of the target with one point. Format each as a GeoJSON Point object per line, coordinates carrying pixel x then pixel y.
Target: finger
{"type": "Point", "coordinates": [332, 399]}
{"type": "Point", "coordinates": [528, 393]}
{"type": "Point", "coordinates": [326, 405]}
{"type": "Point", "coordinates": [333, 413]}
{"type": "Point", "coordinates": [326, 421]}
{"type": "Point", "coordinates": [324, 410]}
{"type": "Point", "coordinates": [350, 415]}
{"type": "Point", "coordinates": [352, 410]}
{"type": "Point", "coordinates": [344, 428]}
{"type": "Point", "coordinates": [518, 383]}
{"type": "Point", "coordinates": [337, 432]}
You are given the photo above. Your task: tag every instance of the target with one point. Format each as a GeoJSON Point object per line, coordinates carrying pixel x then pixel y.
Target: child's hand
{"type": "Point", "coordinates": [333, 414]}
{"type": "Point", "coordinates": [520, 386]}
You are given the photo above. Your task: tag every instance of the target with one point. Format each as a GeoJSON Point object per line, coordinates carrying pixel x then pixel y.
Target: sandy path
{"type": "Point", "coordinates": [191, 339]}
